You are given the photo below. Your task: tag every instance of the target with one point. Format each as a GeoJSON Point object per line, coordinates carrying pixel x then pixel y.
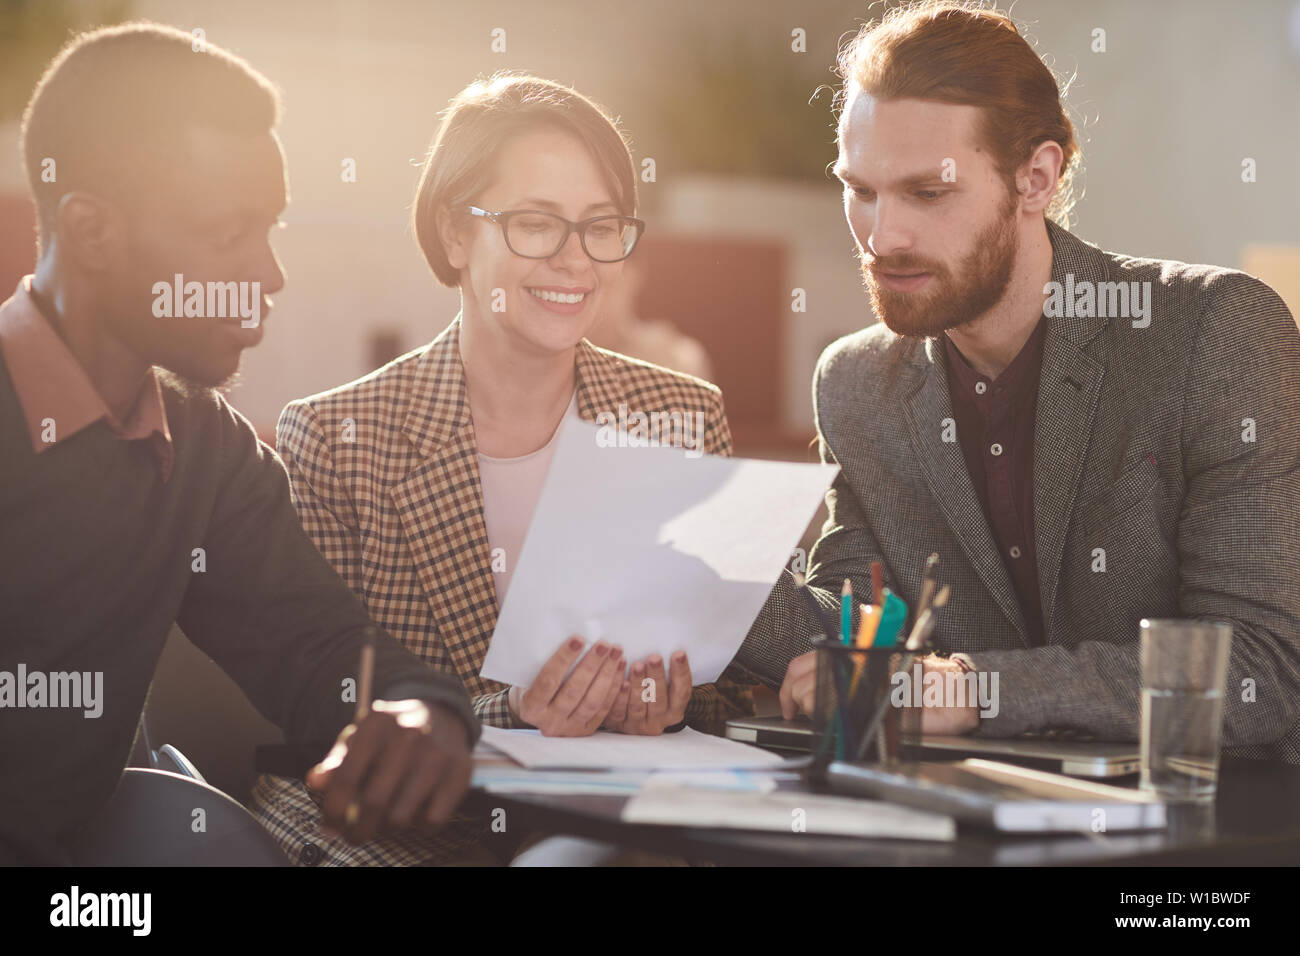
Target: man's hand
{"type": "Point", "coordinates": [572, 706]}
{"type": "Point", "coordinates": [800, 686]}
{"type": "Point", "coordinates": [406, 764]}
{"type": "Point", "coordinates": [948, 718]}
{"type": "Point", "coordinates": [649, 701]}
{"type": "Point", "coordinates": [799, 689]}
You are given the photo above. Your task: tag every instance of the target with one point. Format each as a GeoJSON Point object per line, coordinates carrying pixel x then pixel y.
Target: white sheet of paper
{"type": "Point", "coordinates": [755, 781]}
{"type": "Point", "coordinates": [651, 549]}
{"type": "Point", "coordinates": [685, 750]}
{"type": "Point", "coordinates": [513, 779]}
{"type": "Point", "coordinates": [778, 811]}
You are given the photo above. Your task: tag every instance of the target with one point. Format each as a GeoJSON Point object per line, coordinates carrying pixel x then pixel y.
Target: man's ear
{"type": "Point", "coordinates": [89, 230]}
{"type": "Point", "coordinates": [1039, 176]}
{"type": "Point", "coordinates": [453, 239]}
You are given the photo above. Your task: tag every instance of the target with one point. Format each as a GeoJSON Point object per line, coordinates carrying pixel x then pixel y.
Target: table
{"type": "Point", "coordinates": [1255, 821]}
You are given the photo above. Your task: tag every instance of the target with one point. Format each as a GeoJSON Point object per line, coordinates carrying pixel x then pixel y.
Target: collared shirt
{"type": "Point", "coordinates": [995, 427]}
{"type": "Point", "coordinates": [57, 397]}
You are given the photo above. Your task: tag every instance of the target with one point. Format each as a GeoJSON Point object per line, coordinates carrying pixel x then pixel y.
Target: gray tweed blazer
{"type": "Point", "coordinates": [1173, 446]}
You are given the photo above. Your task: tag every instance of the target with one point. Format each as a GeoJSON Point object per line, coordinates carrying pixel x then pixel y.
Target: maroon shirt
{"type": "Point", "coordinates": [995, 427]}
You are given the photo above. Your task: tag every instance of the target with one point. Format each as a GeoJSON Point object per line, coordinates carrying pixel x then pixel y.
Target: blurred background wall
{"type": "Point", "coordinates": [741, 210]}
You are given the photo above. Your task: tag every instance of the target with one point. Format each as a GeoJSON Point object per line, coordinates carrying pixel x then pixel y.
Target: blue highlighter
{"type": "Point", "coordinates": [891, 620]}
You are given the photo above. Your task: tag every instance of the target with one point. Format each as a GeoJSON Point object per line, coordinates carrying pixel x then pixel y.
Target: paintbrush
{"type": "Point", "coordinates": [925, 623]}
{"type": "Point", "coordinates": [928, 583]}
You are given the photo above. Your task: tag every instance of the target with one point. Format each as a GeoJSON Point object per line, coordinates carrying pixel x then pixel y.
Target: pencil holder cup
{"type": "Point", "coordinates": [857, 715]}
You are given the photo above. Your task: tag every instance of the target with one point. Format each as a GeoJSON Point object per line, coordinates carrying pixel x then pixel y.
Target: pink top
{"type": "Point", "coordinates": [511, 487]}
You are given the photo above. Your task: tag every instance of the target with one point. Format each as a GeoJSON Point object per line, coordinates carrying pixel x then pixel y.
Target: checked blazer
{"type": "Point", "coordinates": [1166, 484]}
{"type": "Point", "coordinates": [384, 473]}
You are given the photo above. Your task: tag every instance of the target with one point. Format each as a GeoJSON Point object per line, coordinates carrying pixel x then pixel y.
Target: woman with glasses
{"type": "Point", "coordinates": [418, 481]}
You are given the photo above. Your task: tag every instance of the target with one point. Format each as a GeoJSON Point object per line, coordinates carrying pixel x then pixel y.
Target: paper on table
{"type": "Point", "coordinates": [684, 806]}
{"type": "Point", "coordinates": [652, 549]}
{"type": "Point", "coordinates": [485, 750]}
{"type": "Point", "coordinates": [513, 779]}
{"type": "Point", "coordinates": [751, 780]}
{"type": "Point", "coordinates": [684, 750]}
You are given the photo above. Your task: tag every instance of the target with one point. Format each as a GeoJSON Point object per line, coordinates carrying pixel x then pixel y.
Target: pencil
{"type": "Point", "coordinates": [868, 621]}
{"type": "Point", "coordinates": [846, 613]}
{"type": "Point", "coordinates": [365, 680]}
{"type": "Point", "coordinates": [366, 676]}
{"type": "Point", "coordinates": [877, 584]}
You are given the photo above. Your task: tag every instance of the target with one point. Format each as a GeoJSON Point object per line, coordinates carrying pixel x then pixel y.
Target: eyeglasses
{"type": "Point", "coordinates": [532, 234]}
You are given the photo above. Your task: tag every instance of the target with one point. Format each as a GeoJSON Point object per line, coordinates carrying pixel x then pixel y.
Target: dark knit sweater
{"type": "Point", "coordinates": [96, 557]}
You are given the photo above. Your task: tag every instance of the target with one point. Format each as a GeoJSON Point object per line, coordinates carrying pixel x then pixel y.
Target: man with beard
{"type": "Point", "coordinates": [133, 495]}
{"type": "Point", "coordinates": [1085, 439]}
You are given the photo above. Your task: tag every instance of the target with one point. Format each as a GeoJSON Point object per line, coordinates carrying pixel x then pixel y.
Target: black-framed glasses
{"type": "Point", "coordinates": [533, 234]}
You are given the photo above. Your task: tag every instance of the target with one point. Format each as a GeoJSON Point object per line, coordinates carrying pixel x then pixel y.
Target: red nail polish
{"type": "Point", "coordinates": [600, 650]}
{"type": "Point", "coordinates": [575, 644]}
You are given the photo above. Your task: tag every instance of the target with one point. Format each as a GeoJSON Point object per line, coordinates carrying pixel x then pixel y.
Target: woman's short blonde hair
{"type": "Point", "coordinates": [475, 126]}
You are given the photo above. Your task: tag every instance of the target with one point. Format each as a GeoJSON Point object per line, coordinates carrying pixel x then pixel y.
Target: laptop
{"type": "Point", "coordinates": [1071, 755]}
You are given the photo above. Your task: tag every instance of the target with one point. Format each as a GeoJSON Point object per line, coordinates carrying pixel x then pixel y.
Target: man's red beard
{"type": "Point", "coordinates": [947, 301]}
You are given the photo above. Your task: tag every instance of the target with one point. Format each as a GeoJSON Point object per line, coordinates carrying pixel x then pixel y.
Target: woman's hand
{"type": "Point", "coordinates": [648, 701]}
{"type": "Point", "coordinates": [573, 706]}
